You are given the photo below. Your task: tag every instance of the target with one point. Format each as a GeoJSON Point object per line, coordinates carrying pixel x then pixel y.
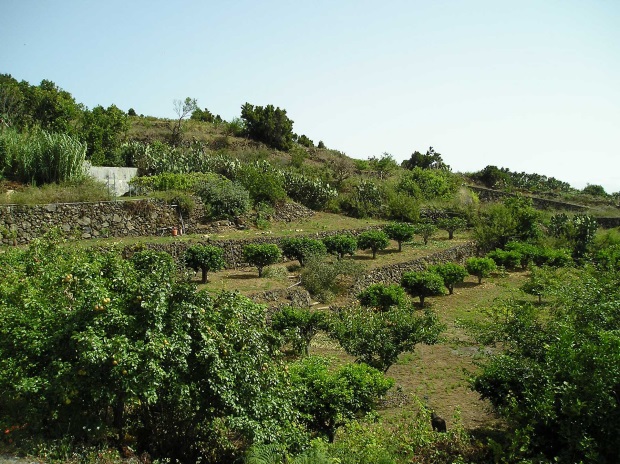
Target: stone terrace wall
{"type": "Point", "coordinates": [131, 218]}
{"type": "Point", "coordinates": [486, 194]}
{"type": "Point", "coordinates": [608, 222]}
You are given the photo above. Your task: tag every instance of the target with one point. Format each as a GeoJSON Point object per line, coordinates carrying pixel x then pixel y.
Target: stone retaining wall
{"type": "Point", "coordinates": [486, 194]}
{"type": "Point", "coordinates": [131, 218]}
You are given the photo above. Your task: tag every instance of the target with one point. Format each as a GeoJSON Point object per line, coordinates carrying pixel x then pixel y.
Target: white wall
{"type": "Point", "coordinates": [117, 179]}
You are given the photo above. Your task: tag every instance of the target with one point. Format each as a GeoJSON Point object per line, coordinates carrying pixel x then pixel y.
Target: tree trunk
{"type": "Point", "coordinates": [422, 301]}
{"type": "Point", "coordinates": [374, 254]}
{"type": "Point", "coordinates": [260, 271]}
{"type": "Point", "coordinates": [450, 289]}
{"type": "Point", "coordinates": [400, 245]}
{"type": "Point", "coordinates": [479, 280]}
{"type": "Point", "coordinates": [204, 275]}
{"type": "Point", "coordinates": [450, 234]}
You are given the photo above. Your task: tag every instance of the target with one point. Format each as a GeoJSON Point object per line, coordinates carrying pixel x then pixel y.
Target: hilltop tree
{"type": "Point", "coordinates": [182, 109]}
{"type": "Point", "coordinates": [103, 130]}
{"type": "Point", "coordinates": [268, 125]}
{"type": "Point", "coordinates": [430, 160]}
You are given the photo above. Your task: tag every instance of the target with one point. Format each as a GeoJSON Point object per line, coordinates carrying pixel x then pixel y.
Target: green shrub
{"type": "Point", "coordinates": [426, 230]}
{"type": "Point", "coordinates": [298, 326]}
{"type": "Point", "coordinates": [374, 240]}
{"type": "Point", "coordinates": [382, 296]}
{"type": "Point", "coordinates": [452, 225]}
{"type": "Point", "coordinates": [206, 258]}
{"type": "Point", "coordinates": [429, 184]}
{"type": "Point", "coordinates": [508, 259]}
{"type": "Point", "coordinates": [269, 125]}
{"type": "Point", "coordinates": [378, 338]}
{"type": "Point", "coordinates": [95, 347]}
{"type": "Point", "coordinates": [329, 399]}
{"type": "Point", "coordinates": [480, 267]}
{"type": "Point", "coordinates": [451, 273]}
{"type": "Point", "coordinates": [264, 185]}
{"type": "Point", "coordinates": [302, 248]}
{"type": "Point", "coordinates": [423, 284]}
{"type": "Point", "coordinates": [325, 280]}
{"type": "Point", "coordinates": [313, 193]}
{"type": "Point", "coordinates": [400, 231]}
{"type": "Point", "coordinates": [261, 255]}
{"type": "Point", "coordinates": [340, 245]}
{"type": "Point", "coordinates": [223, 198]}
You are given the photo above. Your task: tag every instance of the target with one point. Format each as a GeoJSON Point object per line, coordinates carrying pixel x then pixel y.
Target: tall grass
{"type": "Point", "coordinates": [83, 190]}
{"type": "Point", "coordinates": [41, 157]}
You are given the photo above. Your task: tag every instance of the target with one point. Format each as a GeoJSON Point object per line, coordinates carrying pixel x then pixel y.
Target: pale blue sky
{"type": "Point", "coordinates": [531, 85]}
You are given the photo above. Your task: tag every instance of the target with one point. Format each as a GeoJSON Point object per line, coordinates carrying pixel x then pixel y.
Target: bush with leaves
{"type": "Point", "coordinates": [540, 282]}
{"type": "Point", "coordinates": [96, 347]}
{"type": "Point", "coordinates": [298, 326]}
{"type": "Point", "coordinates": [373, 240]}
{"type": "Point", "coordinates": [205, 258]}
{"type": "Point", "coordinates": [423, 284]}
{"type": "Point", "coordinates": [426, 230]}
{"type": "Point", "coordinates": [508, 259]}
{"type": "Point", "coordinates": [329, 399]}
{"type": "Point", "coordinates": [302, 248]}
{"type": "Point", "coordinates": [451, 273]}
{"type": "Point", "coordinates": [313, 193]}
{"type": "Point", "coordinates": [382, 296]}
{"type": "Point", "coordinates": [452, 225]}
{"type": "Point", "coordinates": [262, 255]}
{"type": "Point", "coordinates": [400, 231]}
{"type": "Point", "coordinates": [429, 184]}
{"type": "Point", "coordinates": [264, 185]}
{"type": "Point", "coordinates": [377, 338]}
{"type": "Point", "coordinates": [557, 378]}
{"type": "Point", "coordinates": [324, 280]}
{"type": "Point", "coordinates": [223, 198]}
{"type": "Point", "coordinates": [363, 200]}
{"type": "Point", "coordinates": [268, 125]}
{"type": "Point", "coordinates": [480, 267]}
{"type": "Point", "coordinates": [340, 245]}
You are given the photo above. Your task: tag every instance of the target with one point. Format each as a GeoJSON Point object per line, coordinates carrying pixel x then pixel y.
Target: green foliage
{"type": "Point", "coordinates": [508, 259]}
{"type": "Point", "coordinates": [171, 181]}
{"type": "Point", "coordinates": [223, 198]}
{"type": "Point", "coordinates": [313, 193]}
{"type": "Point", "coordinates": [451, 273]}
{"type": "Point", "coordinates": [429, 184]}
{"type": "Point", "coordinates": [383, 166]}
{"type": "Point", "coordinates": [594, 190]}
{"type": "Point", "coordinates": [377, 338]}
{"type": "Point", "coordinates": [495, 228]}
{"type": "Point", "coordinates": [302, 248]}
{"type": "Point", "coordinates": [430, 160]}
{"type": "Point", "coordinates": [261, 255]}
{"type": "Point", "coordinates": [426, 230]}
{"type": "Point", "coordinates": [364, 200]}
{"type": "Point", "coordinates": [269, 125]}
{"type": "Point", "coordinates": [494, 177]}
{"type": "Point", "coordinates": [264, 184]}
{"type": "Point", "coordinates": [298, 326]}
{"type": "Point", "coordinates": [305, 141]}
{"type": "Point", "coordinates": [541, 281]}
{"type": "Point", "coordinates": [400, 231]}
{"type": "Point", "coordinates": [382, 296]}
{"type": "Point", "coordinates": [86, 189]}
{"type": "Point", "coordinates": [329, 399]}
{"type": "Point", "coordinates": [204, 115]}
{"type": "Point", "coordinates": [102, 129]}
{"type": "Point", "coordinates": [41, 157]}
{"type": "Point", "coordinates": [324, 280]}
{"type": "Point", "coordinates": [340, 245]}
{"type": "Point", "coordinates": [321, 145]}
{"type": "Point", "coordinates": [480, 267]}
{"type": "Point", "coordinates": [423, 284]}
{"type": "Point", "coordinates": [93, 346]}
{"type": "Point", "coordinates": [374, 240]}
{"type": "Point", "coordinates": [206, 258]}
{"type": "Point", "coordinates": [401, 207]}
{"type": "Point", "coordinates": [557, 379]}
{"type": "Point", "coordinates": [182, 109]}
{"type": "Point", "coordinates": [452, 225]}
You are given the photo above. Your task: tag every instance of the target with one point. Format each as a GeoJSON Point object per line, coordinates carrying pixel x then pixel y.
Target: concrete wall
{"type": "Point", "coordinates": [117, 179]}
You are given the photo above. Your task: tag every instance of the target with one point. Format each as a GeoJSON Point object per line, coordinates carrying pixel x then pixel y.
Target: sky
{"type": "Point", "coordinates": [532, 86]}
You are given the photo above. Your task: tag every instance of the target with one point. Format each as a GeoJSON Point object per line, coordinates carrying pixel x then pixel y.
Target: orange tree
{"type": "Point", "coordinates": [96, 347]}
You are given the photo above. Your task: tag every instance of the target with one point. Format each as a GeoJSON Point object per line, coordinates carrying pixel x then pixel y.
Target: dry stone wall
{"type": "Point", "coordinates": [131, 218]}
{"type": "Point", "coordinates": [486, 194]}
